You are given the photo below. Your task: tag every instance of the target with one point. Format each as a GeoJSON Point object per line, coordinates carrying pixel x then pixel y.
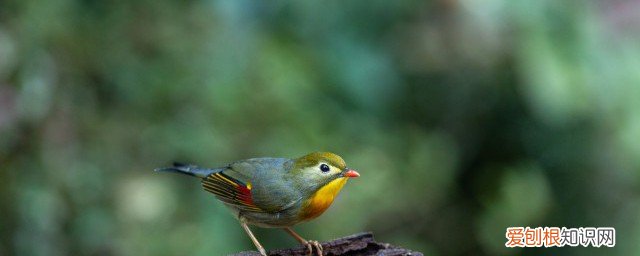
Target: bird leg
{"type": "Point", "coordinates": [307, 243]}
{"type": "Point", "coordinates": [253, 238]}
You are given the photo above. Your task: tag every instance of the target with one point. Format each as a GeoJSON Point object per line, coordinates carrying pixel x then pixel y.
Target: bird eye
{"type": "Point", "coordinates": [324, 168]}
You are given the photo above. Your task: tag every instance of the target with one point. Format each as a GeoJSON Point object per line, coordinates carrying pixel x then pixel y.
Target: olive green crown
{"type": "Point", "coordinates": [316, 157]}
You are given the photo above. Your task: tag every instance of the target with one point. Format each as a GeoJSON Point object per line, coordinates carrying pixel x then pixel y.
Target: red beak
{"type": "Point", "coordinates": [351, 174]}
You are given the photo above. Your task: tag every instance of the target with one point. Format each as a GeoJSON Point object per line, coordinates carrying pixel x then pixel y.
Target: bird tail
{"type": "Point", "coordinates": [188, 169]}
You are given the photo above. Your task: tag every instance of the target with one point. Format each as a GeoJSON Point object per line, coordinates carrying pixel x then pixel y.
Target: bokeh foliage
{"type": "Point", "coordinates": [463, 117]}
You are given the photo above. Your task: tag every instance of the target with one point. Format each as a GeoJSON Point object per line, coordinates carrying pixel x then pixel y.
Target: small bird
{"type": "Point", "coordinates": [275, 192]}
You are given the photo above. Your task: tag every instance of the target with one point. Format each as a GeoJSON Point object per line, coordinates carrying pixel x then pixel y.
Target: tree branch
{"type": "Point", "coordinates": [356, 244]}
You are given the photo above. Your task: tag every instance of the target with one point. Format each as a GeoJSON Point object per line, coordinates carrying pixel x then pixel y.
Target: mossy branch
{"type": "Point", "coordinates": [356, 244]}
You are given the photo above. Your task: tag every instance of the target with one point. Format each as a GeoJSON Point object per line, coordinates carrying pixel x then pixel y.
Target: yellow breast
{"type": "Point", "coordinates": [321, 199]}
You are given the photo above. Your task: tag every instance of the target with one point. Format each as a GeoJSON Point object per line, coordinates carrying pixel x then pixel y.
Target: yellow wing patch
{"type": "Point", "coordinates": [230, 191]}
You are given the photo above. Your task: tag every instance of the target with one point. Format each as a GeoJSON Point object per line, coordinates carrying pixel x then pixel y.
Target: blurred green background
{"type": "Point", "coordinates": [464, 117]}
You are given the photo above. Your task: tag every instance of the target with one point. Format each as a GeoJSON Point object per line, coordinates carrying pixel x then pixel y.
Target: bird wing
{"type": "Point", "coordinates": [256, 185]}
{"type": "Point", "coordinates": [231, 191]}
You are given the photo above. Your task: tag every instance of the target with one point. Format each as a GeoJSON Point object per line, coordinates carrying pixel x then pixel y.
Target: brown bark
{"type": "Point", "coordinates": [356, 244]}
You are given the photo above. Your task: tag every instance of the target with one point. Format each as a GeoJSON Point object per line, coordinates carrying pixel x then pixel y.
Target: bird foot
{"type": "Point", "coordinates": [314, 244]}
{"type": "Point", "coordinates": [262, 252]}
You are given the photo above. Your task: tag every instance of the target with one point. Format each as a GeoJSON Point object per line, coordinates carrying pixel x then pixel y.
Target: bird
{"type": "Point", "coordinates": [272, 192]}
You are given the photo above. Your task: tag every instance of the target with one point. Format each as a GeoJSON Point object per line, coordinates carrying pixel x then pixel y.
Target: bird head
{"type": "Point", "coordinates": [318, 169]}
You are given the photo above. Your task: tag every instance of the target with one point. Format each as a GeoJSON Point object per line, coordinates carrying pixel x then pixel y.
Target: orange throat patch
{"type": "Point", "coordinates": [322, 199]}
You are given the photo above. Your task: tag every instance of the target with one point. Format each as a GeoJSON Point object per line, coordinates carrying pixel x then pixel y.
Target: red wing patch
{"type": "Point", "coordinates": [230, 191]}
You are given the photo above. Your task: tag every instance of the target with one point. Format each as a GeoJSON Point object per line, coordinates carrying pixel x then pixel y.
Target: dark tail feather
{"type": "Point", "coordinates": [188, 169]}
